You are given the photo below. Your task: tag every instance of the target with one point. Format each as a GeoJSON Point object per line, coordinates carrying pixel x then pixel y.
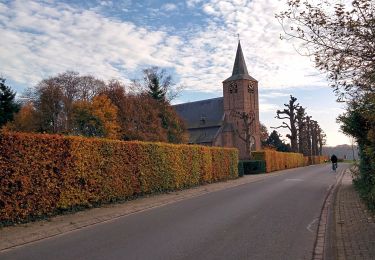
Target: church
{"type": "Point", "coordinates": [228, 121]}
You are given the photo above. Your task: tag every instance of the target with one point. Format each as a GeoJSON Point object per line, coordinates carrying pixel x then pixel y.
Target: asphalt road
{"type": "Point", "coordinates": [275, 218]}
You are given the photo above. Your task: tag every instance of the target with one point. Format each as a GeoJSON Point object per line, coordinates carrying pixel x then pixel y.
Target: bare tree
{"type": "Point", "coordinates": [340, 38]}
{"type": "Point", "coordinates": [321, 140]}
{"type": "Point", "coordinates": [301, 128]}
{"type": "Point", "coordinates": [263, 134]}
{"type": "Point", "coordinates": [245, 135]}
{"type": "Point", "coordinates": [53, 98]}
{"type": "Point", "coordinates": [158, 84]}
{"type": "Point", "coordinates": [289, 113]}
{"type": "Point", "coordinates": [315, 135]}
{"type": "Point", "coordinates": [308, 135]}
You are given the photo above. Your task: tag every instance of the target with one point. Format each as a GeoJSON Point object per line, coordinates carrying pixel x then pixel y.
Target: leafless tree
{"type": "Point", "coordinates": [301, 128]}
{"type": "Point", "coordinates": [340, 38]}
{"type": "Point", "coordinates": [290, 113]}
{"type": "Point", "coordinates": [246, 135]}
{"type": "Point", "coordinates": [321, 140]}
{"type": "Point", "coordinates": [158, 84]}
{"type": "Point", "coordinates": [54, 97]}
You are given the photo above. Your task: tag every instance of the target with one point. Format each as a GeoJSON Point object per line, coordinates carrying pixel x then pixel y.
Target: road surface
{"type": "Point", "coordinates": [275, 218]}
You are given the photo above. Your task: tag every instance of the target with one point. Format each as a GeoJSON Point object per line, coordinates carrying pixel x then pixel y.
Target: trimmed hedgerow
{"type": "Point", "coordinates": [276, 161]}
{"type": "Point", "coordinates": [251, 167]}
{"type": "Point", "coordinates": [318, 159]}
{"type": "Point", "coordinates": [43, 174]}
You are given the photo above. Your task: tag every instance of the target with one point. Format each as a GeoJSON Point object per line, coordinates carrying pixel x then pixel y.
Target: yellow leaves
{"type": "Point", "coordinates": [96, 118]}
{"type": "Point", "coordinates": [40, 174]}
{"type": "Point", "coordinates": [103, 108]}
{"type": "Point", "coordinates": [25, 120]}
{"type": "Point", "coordinates": [316, 159]}
{"type": "Point", "coordinates": [276, 161]}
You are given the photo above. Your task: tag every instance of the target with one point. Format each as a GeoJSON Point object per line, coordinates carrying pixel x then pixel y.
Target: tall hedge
{"type": "Point", "coordinates": [318, 159]}
{"type": "Point", "coordinates": [41, 174]}
{"type": "Point", "coordinates": [276, 161]}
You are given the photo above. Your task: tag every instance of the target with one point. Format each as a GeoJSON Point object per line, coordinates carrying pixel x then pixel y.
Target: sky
{"type": "Point", "coordinates": [194, 40]}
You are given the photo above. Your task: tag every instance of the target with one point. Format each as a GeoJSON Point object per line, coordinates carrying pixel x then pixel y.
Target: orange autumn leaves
{"type": "Point", "coordinates": [96, 118]}
{"type": "Point", "coordinates": [276, 161]}
{"type": "Point", "coordinates": [41, 174]}
{"type": "Point", "coordinates": [91, 118]}
{"type": "Point", "coordinates": [72, 104]}
{"type": "Point", "coordinates": [145, 119]}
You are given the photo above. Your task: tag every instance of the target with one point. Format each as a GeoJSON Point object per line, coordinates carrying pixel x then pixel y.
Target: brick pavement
{"type": "Point", "coordinates": [354, 224]}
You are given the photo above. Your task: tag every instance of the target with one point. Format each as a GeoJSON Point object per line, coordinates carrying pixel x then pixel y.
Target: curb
{"type": "Point", "coordinates": [321, 236]}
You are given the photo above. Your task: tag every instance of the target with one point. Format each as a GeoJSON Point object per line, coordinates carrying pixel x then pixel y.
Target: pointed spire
{"type": "Point", "coordinates": [239, 67]}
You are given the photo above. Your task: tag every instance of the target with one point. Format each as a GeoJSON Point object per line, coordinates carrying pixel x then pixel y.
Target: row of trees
{"type": "Point", "coordinates": [72, 104]}
{"type": "Point", "coordinates": [340, 38]}
{"type": "Point", "coordinates": [306, 136]}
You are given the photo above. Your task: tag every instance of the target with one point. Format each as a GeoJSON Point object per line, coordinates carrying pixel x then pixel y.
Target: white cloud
{"type": "Point", "coordinates": [193, 3]}
{"type": "Point", "coordinates": [169, 7]}
{"type": "Point", "coordinates": [274, 95]}
{"type": "Point", "coordinates": [54, 38]}
{"type": "Point", "coordinates": [267, 107]}
{"type": "Point", "coordinates": [205, 58]}
{"type": "Point", "coordinates": [106, 3]}
{"type": "Point", "coordinates": [273, 62]}
{"type": "Point", "coordinates": [39, 40]}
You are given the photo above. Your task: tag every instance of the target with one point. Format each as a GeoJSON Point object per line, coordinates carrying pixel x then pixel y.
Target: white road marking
{"type": "Point", "coordinates": [311, 224]}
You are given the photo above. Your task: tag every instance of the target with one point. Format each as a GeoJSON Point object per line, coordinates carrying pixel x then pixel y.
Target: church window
{"type": "Point", "coordinates": [233, 88]}
{"type": "Point", "coordinates": [203, 120]}
{"type": "Point", "coordinates": [250, 87]}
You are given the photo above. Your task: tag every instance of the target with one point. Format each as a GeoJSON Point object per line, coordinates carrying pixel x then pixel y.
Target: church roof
{"type": "Point", "coordinates": [239, 67]}
{"type": "Point", "coordinates": [204, 113]}
{"type": "Point", "coordinates": [203, 119]}
{"type": "Point", "coordinates": [203, 135]}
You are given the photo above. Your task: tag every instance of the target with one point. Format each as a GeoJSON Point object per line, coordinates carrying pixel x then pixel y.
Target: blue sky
{"type": "Point", "coordinates": [194, 40]}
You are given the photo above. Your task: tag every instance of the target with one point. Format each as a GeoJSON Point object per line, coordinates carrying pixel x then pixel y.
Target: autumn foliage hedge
{"type": "Point", "coordinates": [276, 161]}
{"type": "Point", "coordinates": [318, 159]}
{"type": "Point", "coordinates": [42, 174]}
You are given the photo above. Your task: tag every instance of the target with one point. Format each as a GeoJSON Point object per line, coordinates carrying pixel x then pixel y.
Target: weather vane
{"type": "Point", "coordinates": [238, 36]}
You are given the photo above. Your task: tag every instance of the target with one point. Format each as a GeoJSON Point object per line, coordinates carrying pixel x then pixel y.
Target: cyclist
{"type": "Point", "coordinates": [334, 162]}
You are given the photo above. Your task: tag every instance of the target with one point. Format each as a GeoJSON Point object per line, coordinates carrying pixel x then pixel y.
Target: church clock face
{"type": "Point", "coordinates": [233, 87]}
{"type": "Point", "coordinates": [251, 87]}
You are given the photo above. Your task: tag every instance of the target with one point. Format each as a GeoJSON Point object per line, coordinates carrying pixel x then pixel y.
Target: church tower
{"type": "Point", "coordinates": [241, 108]}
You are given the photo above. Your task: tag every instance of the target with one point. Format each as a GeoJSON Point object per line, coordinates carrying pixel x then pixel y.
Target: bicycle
{"type": "Point", "coordinates": [334, 166]}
